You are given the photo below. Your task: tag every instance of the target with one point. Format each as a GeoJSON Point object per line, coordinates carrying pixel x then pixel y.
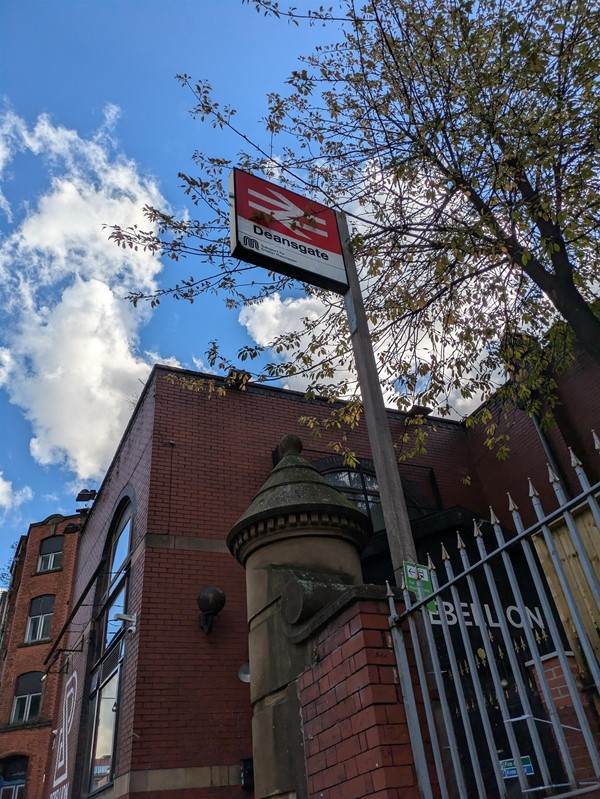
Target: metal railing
{"type": "Point", "coordinates": [505, 650]}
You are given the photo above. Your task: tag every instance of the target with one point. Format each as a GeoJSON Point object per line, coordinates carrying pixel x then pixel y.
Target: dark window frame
{"type": "Point", "coordinates": [361, 488]}
{"type": "Point", "coordinates": [110, 647]}
{"type": "Point", "coordinates": [31, 695]}
{"type": "Point", "coordinates": [12, 786]}
{"type": "Point", "coordinates": [39, 619]}
{"type": "Point", "coordinates": [51, 553]}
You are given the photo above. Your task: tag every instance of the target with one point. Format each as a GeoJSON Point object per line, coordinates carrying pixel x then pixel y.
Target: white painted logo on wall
{"type": "Point", "coordinates": [61, 771]}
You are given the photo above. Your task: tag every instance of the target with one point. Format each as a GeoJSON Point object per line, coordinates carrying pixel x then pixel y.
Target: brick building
{"type": "Point", "coordinates": [154, 707]}
{"type": "Point", "coordinates": [32, 613]}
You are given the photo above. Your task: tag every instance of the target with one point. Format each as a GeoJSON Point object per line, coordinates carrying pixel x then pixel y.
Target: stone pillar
{"type": "Point", "coordinates": [299, 542]}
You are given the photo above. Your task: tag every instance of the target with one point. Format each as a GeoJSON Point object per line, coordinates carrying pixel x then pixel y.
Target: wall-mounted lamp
{"type": "Point", "coordinates": [86, 495]}
{"type": "Point", "coordinates": [72, 528]}
{"type": "Point", "coordinates": [244, 672]}
{"type": "Point", "coordinates": [419, 410]}
{"type": "Point", "coordinates": [211, 601]}
{"type": "Point", "coordinates": [127, 618]}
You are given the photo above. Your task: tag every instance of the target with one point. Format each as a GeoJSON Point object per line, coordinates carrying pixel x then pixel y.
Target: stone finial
{"type": "Point", "coordinates": [290, 445]}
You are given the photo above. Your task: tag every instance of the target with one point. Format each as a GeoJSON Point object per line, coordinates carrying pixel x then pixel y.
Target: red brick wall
{"type": "Point", "coordinates": [16, 657]}
{"type": "Point", "coordinates": [229, 440]}
{"type": "Point", "coordinates": [355, 730]}
{"type": "Point", "coordinates": [568, 718]}
{"type": "Point", "coordinates": [191, 709]}
{"type": "Point", "coordinates": [575, 416]}
{"type": "Point", "coordinates": [128, 475]}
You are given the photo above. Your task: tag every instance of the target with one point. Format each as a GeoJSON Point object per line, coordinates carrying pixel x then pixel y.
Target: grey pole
{"type": "Point", "coordinates": [395, 515]}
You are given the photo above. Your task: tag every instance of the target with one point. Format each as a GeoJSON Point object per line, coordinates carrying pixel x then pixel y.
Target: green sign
{"type": "Point", "coordinates": [509, 769]}
{"type": "Point", "coordinates": [418, 582]}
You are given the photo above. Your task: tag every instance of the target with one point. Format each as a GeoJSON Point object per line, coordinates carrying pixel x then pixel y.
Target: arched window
{"type": "Point", "coordinates": [13, 772]}
{"type": "Point", "coordinates": [28, 697]}
{"type": "Point", "coordinates": [39, 622]}
{"type": "Point", "coordinates": [104, 690]}
{"type": "Point", "coordinates": [51, 550]}
{"type": "Point", "coordinates": [360, 486]}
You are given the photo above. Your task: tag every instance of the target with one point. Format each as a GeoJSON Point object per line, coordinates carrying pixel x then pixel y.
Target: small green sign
{"type": "Point", "coordinates": [418, 579]}
{"type": "Point", "coordinates": [509, 768]}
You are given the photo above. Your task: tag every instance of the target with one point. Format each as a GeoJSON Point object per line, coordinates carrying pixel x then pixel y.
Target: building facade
{"type": "Point", "coordinates": [33, 611]}
{"type": "Point", "coordinates": [153, 705]}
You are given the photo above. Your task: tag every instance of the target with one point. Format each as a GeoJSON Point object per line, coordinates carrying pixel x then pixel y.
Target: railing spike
{"type": "Point", "coordinates": [389, 593]}
{"type": "Point", "coordinates": [552, 476]}
{"type": "Point", "coordinates": [532, 489]}
{"type": "Point", "coordinates": [512, 505]}
{"type": "Point", "coordinates": [493, 518]}
{"type": "Point", "coordinates": [445, 555]}
{"type": "Point", "coordinates": [459, 542]}
{"type": "Point", "coordinates": [402, 583]}
{"type": "Point", "coordinates": [574, 459]}
{"type": "Point", "coordinates": [430, 563]}
{"type": "Point", "coordinates": [476, 529]}
{"type": "Point", "coordinates": [596, 441]}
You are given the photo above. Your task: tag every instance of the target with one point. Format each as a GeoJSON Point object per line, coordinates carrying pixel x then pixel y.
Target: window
{"type": "Point", "coordinates": [103, 707]}
{"type": "Point", "coordinates": [28, 696]}
{"type": "Point", "coordinates": [13, 791]}
{"type": "Point", "coordinates": [360, 487]}
{"type": "Point", "coordinates": [13, 771]}
{"type": "Point", "coordinates": [104, 691]}
{"type": "Point", "coordinates": [51, 550]}
{"type": "Point", "coordinates": [40, 618]}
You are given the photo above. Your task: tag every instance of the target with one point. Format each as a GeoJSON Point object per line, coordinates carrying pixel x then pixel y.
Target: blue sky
{"type": "Point", "coordinates": [93, 125]}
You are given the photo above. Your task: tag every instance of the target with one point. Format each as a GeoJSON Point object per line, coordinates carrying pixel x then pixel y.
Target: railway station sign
{"type": "Point", "coordinates": [282, 231]}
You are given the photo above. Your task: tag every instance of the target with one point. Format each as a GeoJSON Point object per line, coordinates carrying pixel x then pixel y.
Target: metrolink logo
{"type": "Point", "coordinates": [251, 243]}
{"type": "Point", "coordinates": [290, 243]}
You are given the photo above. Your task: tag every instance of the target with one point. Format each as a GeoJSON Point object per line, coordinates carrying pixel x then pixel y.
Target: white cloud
{"type": "Point", "coordinates": [274, 317]}
{"type": "Point", "coordinates": [76, 372]}
{"type": "Point", "coordinates": [68, 353]}
{"type": "Point", "coordinates": [154, 357]}
{"type": "Point", "coordinates": [63, 234]}
{"type": "Point", "coordinates": [201, 365]}
{"type": "Point", "coordinates": [11, 498]}
{"type": "Point", "coordinates": [6, 364]}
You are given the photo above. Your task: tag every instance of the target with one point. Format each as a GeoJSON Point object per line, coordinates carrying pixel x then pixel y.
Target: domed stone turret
{"type": "Point", "coordinates": [300, 538]}
{"type": "Point", "coordinates": [296, 500]}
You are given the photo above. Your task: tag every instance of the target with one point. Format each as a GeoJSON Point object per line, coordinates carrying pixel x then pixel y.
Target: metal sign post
{"type": "Point", "coordinates": [278, 229]}
{"type": "Point", "coordinates": [395, 515]}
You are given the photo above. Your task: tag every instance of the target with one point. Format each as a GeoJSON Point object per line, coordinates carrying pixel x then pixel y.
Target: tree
{"type": "Point", "coordinates": [462, 138]}
{"type": "Point", "coordinates": [6, 568]}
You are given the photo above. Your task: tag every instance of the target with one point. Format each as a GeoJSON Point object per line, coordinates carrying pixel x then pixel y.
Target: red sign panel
{"type": "Point", "coordinates": [285, 232]}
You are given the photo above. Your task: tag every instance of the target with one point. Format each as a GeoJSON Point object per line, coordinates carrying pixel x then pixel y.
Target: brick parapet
{"type": "Point", "coordinates": [355, 730]}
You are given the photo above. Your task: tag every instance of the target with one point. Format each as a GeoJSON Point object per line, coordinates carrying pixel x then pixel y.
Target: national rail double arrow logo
{"type": "Point", "coordinates": [287, 213]}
